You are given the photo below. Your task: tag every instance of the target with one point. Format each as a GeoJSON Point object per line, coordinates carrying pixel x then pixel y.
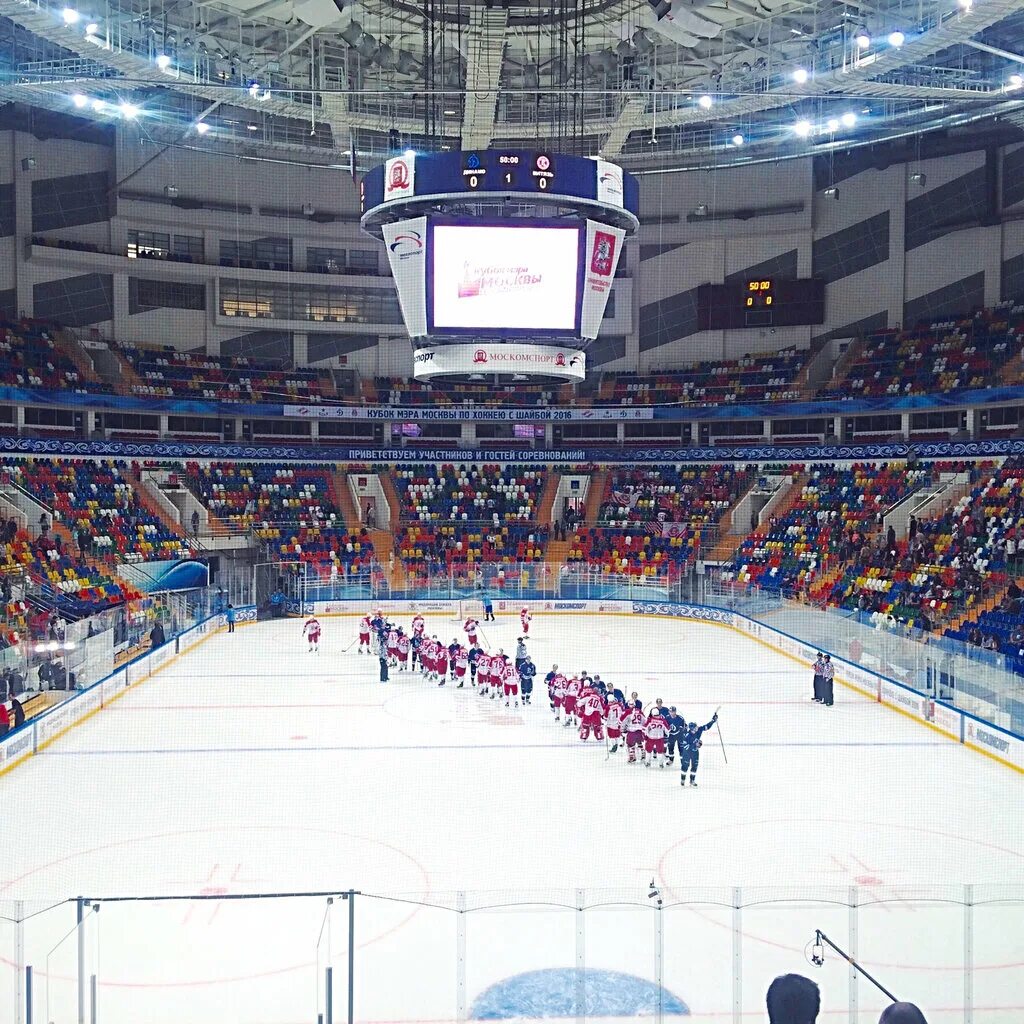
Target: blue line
{"type": "Point", "coordinates": [481, 746]}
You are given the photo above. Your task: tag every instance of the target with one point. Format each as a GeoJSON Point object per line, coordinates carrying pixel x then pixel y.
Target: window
{"type": "Point", "coordinates": [145, 294]}
{"type": "Point", "coordinates": [193, 425]}
{"type": "Point", "coordinates": [310, 303]}
{"type": "Point", "coordinates": [157, 245]}
{"type": "Point", "coordinates": [341, 261]}
{"type": "Point", "coordinates": [35, 417]}
{"type": "Point", "coordinates": [130, 421]}
{"type": "Point", "coordinates": [258, 253]}
{"type": "Point", "coordinates": [282, 428]}
{"type": "Point", "coordinates": [362, 261]}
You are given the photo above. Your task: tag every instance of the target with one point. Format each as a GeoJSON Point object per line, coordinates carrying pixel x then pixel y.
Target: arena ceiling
{"type": "Point", "coordinates": [679, 83]}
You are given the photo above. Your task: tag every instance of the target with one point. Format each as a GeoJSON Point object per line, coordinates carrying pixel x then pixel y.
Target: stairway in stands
{"type": "Point", "coordinates": [341, 494]}
{"type": "Point", "coordinates": [595, 496]}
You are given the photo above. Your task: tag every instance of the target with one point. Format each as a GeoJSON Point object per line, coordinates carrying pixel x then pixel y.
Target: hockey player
{"type": "Point", "coordinates": [471, 626]}
{"type": "Point", "coordinates": [461, 663]}
{"type": "Point", "coordinates": [689, 750]}
{"type": "Point", "coordinates": [474, 657]}
{"type": "Point", "coordinates": [676, 725]}
{"type": "Point", "coordinates": [364, 634]}
{"type": "Point", "coordinates": [526, 673]}
{"type": "Point", "coordinates": [558, 690]}
{"type": "Point", "coordinates": [549, 683]}
{"type": "Point", "coordinates": [633, 725]}
{"type": "Point", "coordinates": [483, 673]}
{"type": "Point", "coordinates": [613, 717]}
{"type": "Point", "coordinates": [590, 708]}
{"type": "Point", "coordinates": [418, 625]}
{"type": "Point", "coordinates": [427, 646]}
{"type": "Point", "coordinates": [441, 663]}
{"type": "Point", "coordinates": [311, 631]}
{"type": "Point", "coordinates": [403, 647]}
{"type": "Point", "coordinates": [393, 647]}
{"type": "Point", "coordinates": [573, 687]}
{"type": "Point", "coordinates": [524, 620]}
{"type": "Point", "coordinates": [655, 732]}
{"type": "Point", "coordinates": [452, 649]}
{"type": "Point", "coordinates": [415, 643]}
{"type": "Point", "coordinates": [521, 652]}
{"type": "Point", "coordinates": [510, 678]}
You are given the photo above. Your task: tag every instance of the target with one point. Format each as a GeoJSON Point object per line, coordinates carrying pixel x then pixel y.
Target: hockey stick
{"type": "Point", "coordinates": [720, 740]}
{"type": "Point", "coordinates": [484, 635]}
{"type": "Point", "coordinates": [350, 646]}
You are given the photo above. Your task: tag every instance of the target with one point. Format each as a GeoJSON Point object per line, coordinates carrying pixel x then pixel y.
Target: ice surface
{"type": "Point", "coordinates": [252, 766]}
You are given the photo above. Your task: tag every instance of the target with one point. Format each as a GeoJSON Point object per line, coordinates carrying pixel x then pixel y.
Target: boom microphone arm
{"type": "Point", "coordinates": [818, 960]}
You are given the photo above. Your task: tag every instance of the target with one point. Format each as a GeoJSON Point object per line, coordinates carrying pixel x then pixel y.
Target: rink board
{"type": "Point", "coordinates": [999, 744]}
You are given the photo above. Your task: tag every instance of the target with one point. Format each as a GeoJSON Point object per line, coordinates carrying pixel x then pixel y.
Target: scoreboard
{"type": "Point", "coordinates": [760, 302]}
{"type": "Point", "coordinates": [415, 183]}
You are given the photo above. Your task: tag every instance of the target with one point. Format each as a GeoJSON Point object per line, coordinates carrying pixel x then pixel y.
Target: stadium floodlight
{"type": "Point", "coordinates": [71, 16]}
{"type": "Point", "coordinates": [99, 106]}
{"type": "Point", "coordinates": [849, 119]}
{"type": "Point", "coordinates": [737, 140]}
{"type": "Point", "coordinates": [832, 124]}
{"type": "Point", "coordinates": [1016, 81]}
{"type": "Point", "coordinates": [254, 89]}
{"type": "Point", "coordinates": [40, 648]}
{"type": "Point", "coordinates": [705, 102]}
{"type": "Point", "coordinates": [862, 39]}
{"type": "Point", "coordinates": [802, 128]}
{"type": "Point", "coordinates": [80, 100]}
{"type": "Point", "coordinates": [92, 28]}
{"type": "Point", "coordinates": [967, 5]}
{"type": "Point", "coordinates": [53, 646]}
{"type": "Point", "coordinates": [253, 127]}
{"type": "Point", "coordinates": [897, 39]}
{"type": "Point", "coordinates": [129, 110]}
{"type": "Point", "coordinates": [202, 127]}
{"type": "Point", "coordinates": [800, 75]}
{"type": "Point", "coordinates": [163, 61]}
{"type": "Point", "coordinates": [409, 154]}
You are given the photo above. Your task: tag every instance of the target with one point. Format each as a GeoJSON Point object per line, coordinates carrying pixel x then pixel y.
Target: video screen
{"type": "Point", "coordinates": [529, 430]}
{"type": "Point", "coordinates": [505, 278]}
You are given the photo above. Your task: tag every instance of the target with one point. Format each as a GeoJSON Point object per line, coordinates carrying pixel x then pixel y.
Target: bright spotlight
{"type": "Point", "coordinates": [967, 5]}
{"type": "Point", "coordinates": [705, 101]}
{"type": "Point", "coordinates": [800, 76]}
{"type": "Point", "coordinates": [897, 39]}
{"type": "Point", "coordinates": [409, 154]}
{"type": "Point", "coordinates": [802, 128]}
{"type": "Point", "coordinates": [53, 646]}
{"type": "Point", "coordinates": [832, 124]}
{"type": "Point", "coordinates": [737, 140]}
{"type": "Point", "coordinates": [92, 28]}
{"type": "Point", "coordinates": [254, 89]}
{"type": "Point", "coordinates": [863, 40]}
{"type": "Point", "coordinates": [129, 110]}
{"type": "Point", "coordinates": [99, 106]}
{"type": "Point", "coordinates": [163, 62]}
{"type": "Point", "coordinates": [80, 100]}
{"type": "Point", "coordinates": [71, 16]}
{"type": "Point", "coordinates": [849, 119]}
{"type": "Point", "coordinates": [1016, 81]}
{"type": "Point", "coordinates": [202, 127]}
{"type": "Point", "coordinates": [40, 648]}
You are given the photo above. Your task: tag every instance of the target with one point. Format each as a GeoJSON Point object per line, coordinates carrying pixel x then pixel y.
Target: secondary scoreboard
{"type": "Point", "coordinates": [414, 183]}
{"type": "Point", "coordinates": [760, 302]}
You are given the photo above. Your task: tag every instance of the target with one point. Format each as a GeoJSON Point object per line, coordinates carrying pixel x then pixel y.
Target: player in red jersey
{"type": "Point", "coordinates": [510, 679]}
{"type": "Point", "coordinates": [613, 721]}
{"type": "Point", "coordinates": [656, 731]}
{"type": "Point", "coordinates": [524, 620]}
{"type": "Point", "coordinates": [558, 694]}
{"type": "Point", "coordinates": [590, 708]}
{"type": "Point", "coordinates": [418, 625]}
{"type": "Point", "coordinates": [483, 674]}
{"type": "Point", "coordinates": [633, 725]}
{"type": "Point", "coordinates": [393, 647]}
{"type": "Point", "coordinates": [441, 663]}
{"type": "Point", "coordinates": [311, 631]}
{"type": "Point", "coordinates": [471, 626]}
{"type": "Point", "coordinates": [404, 644]}
{"type": "Point", "coordinates": [461, 664]}
{"type": "Point", "coordinates": [364, 634]}
{"type": "Point", "coordinates": [572, 692]}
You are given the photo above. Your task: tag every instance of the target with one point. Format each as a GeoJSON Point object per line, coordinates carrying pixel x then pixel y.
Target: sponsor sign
{"type": "Point", "coordinates": [21, 743]}
{"type": "Point", "coordinates": [603, 247]}
{"type": "Point", "coordinates": [406, 246]}
{"type": "Point", "coordinates": [399, 178]}
{"type": "Point", "coordinates": [609, 183]}
{"type": "Point", "coordinates": [464, 414]}
{"type": "Point", "coordinates": [946, 718]}
{"type": "Point", "coordinates": [988, 738]}
{"type": "Point", "coordinates": [908, 700]}
{"type": "Point", "coordinates": [535, 360]}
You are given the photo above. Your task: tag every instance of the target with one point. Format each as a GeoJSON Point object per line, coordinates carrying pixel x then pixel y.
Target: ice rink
{"type": "Point", "coordinates": [252, 766]}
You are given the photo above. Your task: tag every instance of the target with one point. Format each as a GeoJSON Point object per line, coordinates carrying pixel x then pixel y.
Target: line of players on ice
{"type": "Point", "coordinates": [582, 701]}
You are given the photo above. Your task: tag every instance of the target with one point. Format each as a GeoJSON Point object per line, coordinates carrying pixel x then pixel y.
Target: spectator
{"type": "Point", "coordinates": [902, 1013]}
{"type": "Point", "coordinates": [11, 532]}
{"type": "Point", "coordinates": [44, 523]}
{"type": "Point", "coordinates": [5, 719]}
{"type": "Point", "coordinates": [912, 529]}
{"type": "Point", "coordinates": [371, 517]}
{"type": "Point", "coordinates": [18, 713]}
{"type": "Point", "coordinates": [231, 618]}
{"type": "Point", "coordinates": [156, 636]}
{"type": "Point", "coordinates": [195, 523]}
{"type": "Point", "coordinates": [793, 999]}
{"type": "Point", "coordinates": [990, 643]}
{"type": "Point", "coordinates": [84, 539]}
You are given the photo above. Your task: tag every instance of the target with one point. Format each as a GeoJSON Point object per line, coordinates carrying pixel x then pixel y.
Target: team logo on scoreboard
{"type": "Point", "coordinates": [602, 256]}
{"type": "Point", "coordinates": [560, 359]}
{"type": "Point", "coordinates": [609, 183]}
{"type": "Point", "coordinates": [399, 177]}
{"type": "Point", "coordinates": [480, 356]}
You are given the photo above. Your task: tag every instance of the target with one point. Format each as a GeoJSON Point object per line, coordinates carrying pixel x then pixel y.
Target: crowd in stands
{"type": "Point", "coordinates": [634, 552]}
{"type": "Point", "coordinates": [672, 494]}
{"type": "Point", "coordinates": [29, 358]}
{"type": "Point", "coordinates": [947, 356]}
{"type": "Point", "coordinates": [754, 378]}
{"type": "Point", "coordinates": [169, 373]}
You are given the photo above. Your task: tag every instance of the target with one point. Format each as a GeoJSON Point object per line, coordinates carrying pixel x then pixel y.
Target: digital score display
{"type": "Point", "coordinates": [518, 172]}
{"type": "Point", "coordinates": [760, 302]}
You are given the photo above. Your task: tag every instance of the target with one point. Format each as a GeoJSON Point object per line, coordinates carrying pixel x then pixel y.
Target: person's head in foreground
{"type": "Point", "coordinates": [902, 1013]}
{"type": "Point", "coordinates": [793, 999]}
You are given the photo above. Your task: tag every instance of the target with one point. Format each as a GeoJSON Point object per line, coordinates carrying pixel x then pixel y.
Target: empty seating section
{"type": "Point", "coordinates": [168, 373]}
{"type": "Point", "coordinates": [946, 356]}
{"type": "Point", "coordinates": [30, 359]}
{"type": "Point", "coordinates": [293, 511]}
{"type": "Point", "coordinates": [756, 378]}
{"type": "Point", "coordinates": [640, 550]}
{"type": "Point", "coordinates": [954, 560]}
{"type": "Point", "coordinates": [98, 497]}
{"type": "Point", "coordinates": [672, 494]}
{"type": "Point", "coordinates": [465, 514]}
{"type": "Point", "coordinates": [790, 551]}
